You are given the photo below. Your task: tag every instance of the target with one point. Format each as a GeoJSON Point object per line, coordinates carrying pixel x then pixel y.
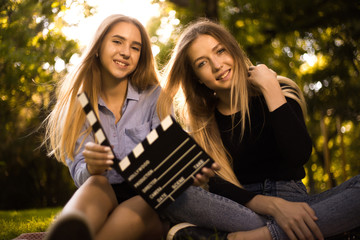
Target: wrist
{"type": "Point", "coordinates": [271, 87]}
{"type": "Point", "coordinates": [265, 205]}
{"type": "Point", "coordinates": [274, 97]}
{"type": "Point", "coordinates": [89, 169]}
{"type": "Point", "coordinates": [274, 204]}
{"type": "Point", "coordinates": [92, 171]}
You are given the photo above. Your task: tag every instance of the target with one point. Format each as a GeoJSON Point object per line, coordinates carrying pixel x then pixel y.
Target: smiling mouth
{"type": "Point", "coordinates": [121, 63]}
{"type": "Point", "coordinates": [224, 75]}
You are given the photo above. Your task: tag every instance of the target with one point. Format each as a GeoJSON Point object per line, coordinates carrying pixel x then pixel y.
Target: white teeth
{"type": "Point", "coordinates": [120, 63]}
{"type": "Point", "coordinates": [224, 75]}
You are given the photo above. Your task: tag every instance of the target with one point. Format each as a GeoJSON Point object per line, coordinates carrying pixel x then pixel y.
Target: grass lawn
{"type": "Point", "coordinates": [15, 222]}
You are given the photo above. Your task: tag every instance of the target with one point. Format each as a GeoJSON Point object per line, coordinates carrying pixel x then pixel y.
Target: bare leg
{"type": "Point", "coordinates": [132, 219]}
{"type": "Point", "coordinates": [257, 234]}
{"type": "Point", "coordinates": [95, 199]}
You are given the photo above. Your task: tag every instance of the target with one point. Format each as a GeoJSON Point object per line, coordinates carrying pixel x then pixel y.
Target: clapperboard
{"type": "Point", "coordinates": [162, 166]}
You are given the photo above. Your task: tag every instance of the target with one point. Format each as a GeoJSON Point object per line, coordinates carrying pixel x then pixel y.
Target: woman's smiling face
{"type": "Point", "coordinates": [212, 63]}
{"type": "Point", "coordinates": [120, 51]}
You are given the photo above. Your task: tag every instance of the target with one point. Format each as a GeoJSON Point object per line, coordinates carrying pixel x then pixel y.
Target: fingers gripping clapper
{"type": "Point", "coordinates": [162, 166]}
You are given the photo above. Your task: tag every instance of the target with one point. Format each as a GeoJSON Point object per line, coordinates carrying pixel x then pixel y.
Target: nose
{"type": "Point", "coordinates": [216, 65]}
{"type": "Point", "coordinates": [125, 51]}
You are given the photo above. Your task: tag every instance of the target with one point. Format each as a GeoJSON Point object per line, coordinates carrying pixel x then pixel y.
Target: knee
{"type": "Point", "coordinates": [356, 180]}
{"type": "Point", "coordinates": [145, 216]}
{"type": "Point", "coordinates": [140, 211]}
{"type": "Point", "coordinates": [98, 188]}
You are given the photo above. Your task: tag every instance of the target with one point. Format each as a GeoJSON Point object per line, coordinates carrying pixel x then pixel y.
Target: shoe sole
{"type": "Point", "coordinates": [176, 228]}
{"type": "Point", "coordinates": [69, 227]}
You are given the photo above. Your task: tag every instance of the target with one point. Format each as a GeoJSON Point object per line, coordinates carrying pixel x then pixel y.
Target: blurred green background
{"type": "Point", "coordinates": [313, 42]}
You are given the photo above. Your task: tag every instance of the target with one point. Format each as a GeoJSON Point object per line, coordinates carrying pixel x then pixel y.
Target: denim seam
{"type": "Point", "coordinates": [273, 232]}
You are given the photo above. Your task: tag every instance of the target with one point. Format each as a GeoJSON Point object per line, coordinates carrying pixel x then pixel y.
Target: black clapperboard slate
{"type": "Point", "coordinates": [162, 166]}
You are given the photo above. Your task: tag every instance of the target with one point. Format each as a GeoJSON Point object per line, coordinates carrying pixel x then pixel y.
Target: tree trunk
{"type": "Point", "coordinates": [205, 8]}
{"type": "Point", "coordinates": [326, 151]}
{"type": "Point", "coordinates": [211, 9]}
{"type": "Point", "coordinates": [342, 148]}
{"type": "Point", "coordinates": [311, 182]}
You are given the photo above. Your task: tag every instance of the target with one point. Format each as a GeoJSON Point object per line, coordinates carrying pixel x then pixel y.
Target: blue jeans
{"type": "Point", "coordinates": [338, 209]}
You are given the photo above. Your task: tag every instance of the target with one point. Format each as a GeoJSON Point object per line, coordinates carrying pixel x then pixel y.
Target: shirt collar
{"type": "Point", "coordinates": [132, 92]}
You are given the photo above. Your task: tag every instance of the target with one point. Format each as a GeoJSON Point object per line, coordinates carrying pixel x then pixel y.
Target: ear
{"type": "Point", "coordinates": [199, 80]}
{"type": "Point", "coordinates": [196, 79]}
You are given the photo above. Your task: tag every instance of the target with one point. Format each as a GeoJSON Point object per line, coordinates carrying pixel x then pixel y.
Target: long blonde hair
{"type": "Point", "coordinates": [64, 124]}
{"type": "Point", "coordinates": [200, 101]}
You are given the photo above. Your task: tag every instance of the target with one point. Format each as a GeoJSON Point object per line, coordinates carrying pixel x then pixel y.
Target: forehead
{"type": "Point", "coordinates": [126, 30]}
{"type": "Point", "coordinates": [201, 46]}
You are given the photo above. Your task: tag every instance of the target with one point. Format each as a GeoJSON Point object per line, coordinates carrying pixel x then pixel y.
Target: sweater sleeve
{"type": "Point", "coordinates": [226, 189]}
{"type": "Point", "coordinates": [291, 135]}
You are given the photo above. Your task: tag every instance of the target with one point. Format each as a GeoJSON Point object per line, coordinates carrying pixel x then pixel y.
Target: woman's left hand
{"type": "Point", "coordinates": [265, 79]}
{"type": "Point", "coordinates": [262, 76]}
{"type": "Point", "coordinates": [206, 173]}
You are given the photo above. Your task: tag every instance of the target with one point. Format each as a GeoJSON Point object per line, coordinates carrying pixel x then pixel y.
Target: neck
{"type": "Point", "coordinates": [114, 97]}
{"type": "Point", "coordinates": [113, 91]}
{"type": "Point", "coordinates": [224, 104]}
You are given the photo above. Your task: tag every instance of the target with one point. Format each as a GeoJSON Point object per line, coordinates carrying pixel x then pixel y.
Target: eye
{"type": "Point", "coordinates": [221, 50]}
{"type": "Point", "coordinates": [201, 64]}
{"type": "Point", "coordinates": [136, 49]}
{"type": "Point", "coordinates": [116, 41]}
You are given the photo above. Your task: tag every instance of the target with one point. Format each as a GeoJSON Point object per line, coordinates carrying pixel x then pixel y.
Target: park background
{"type": "Point", "coordinates": [313, 42]}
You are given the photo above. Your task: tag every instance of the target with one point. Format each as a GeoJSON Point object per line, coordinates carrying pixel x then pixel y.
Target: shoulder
{"type": "Point", "coordinates": [150, 95]}
{"type": "Point", "coordinates": [152, 91]}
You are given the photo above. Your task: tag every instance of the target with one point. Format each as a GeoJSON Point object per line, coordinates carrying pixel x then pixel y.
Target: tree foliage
{"type": "Point", "coordinates": [33, 55]}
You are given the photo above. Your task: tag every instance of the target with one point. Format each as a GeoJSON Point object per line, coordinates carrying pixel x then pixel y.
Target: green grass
{"type": "Point", "coordinates": [13, 223]}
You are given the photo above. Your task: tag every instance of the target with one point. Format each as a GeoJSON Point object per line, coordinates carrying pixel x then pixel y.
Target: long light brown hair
{"type": "Point", "coordinates": [200, 101]}
{"type": "Point", "coordinates": [64, 124]}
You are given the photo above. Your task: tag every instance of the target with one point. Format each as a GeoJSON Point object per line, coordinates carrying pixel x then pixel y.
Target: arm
{"type": "Point", "coordinates": [286, 118]}
{"type": "Point", "coordinates": [79, 167]}
{"type": "Point", "coordinates": [297, 219]}
{"type": "Point", "coordinates": [293, 217]}
{"type": "Point", "coordinates": [291, 135]}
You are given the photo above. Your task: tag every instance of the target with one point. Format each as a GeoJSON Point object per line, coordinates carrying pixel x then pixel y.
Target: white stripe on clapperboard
{"type": "Point", "coordinates": [99, 134]}
{"type": "Point", "coordinates": [83, 99]}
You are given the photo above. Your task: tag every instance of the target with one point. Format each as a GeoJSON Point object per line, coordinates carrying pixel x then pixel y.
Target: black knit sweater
{"type": "Point", "coordinates": [275, 146]}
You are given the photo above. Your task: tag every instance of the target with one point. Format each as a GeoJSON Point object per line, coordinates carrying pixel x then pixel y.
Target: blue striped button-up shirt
{"type": "Point", "coordinates": [139, 117]}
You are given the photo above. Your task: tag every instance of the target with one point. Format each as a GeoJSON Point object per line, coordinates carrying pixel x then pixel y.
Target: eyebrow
{"type": "Point", "coordinates": [216, 46]}
{"type": "Point", "coordinates": [123, 38]}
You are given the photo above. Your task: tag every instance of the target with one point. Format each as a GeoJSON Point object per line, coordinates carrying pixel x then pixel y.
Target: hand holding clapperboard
{"type": "Point", "coordinates": [162, 166]}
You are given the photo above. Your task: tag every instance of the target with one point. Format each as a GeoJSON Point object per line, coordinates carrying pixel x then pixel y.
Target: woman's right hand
{"type": "Point", "coordinates": [98, 158]}
{"type": "Point", "coordinates": [297, 219]}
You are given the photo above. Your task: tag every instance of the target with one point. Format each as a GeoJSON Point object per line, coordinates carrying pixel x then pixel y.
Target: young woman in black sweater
{"type": "Point", "coordinates": [251, 122]}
